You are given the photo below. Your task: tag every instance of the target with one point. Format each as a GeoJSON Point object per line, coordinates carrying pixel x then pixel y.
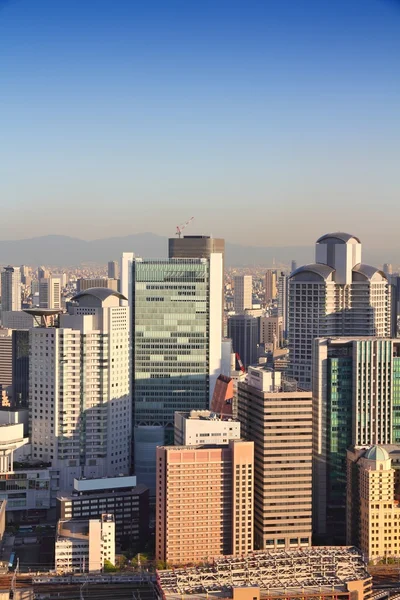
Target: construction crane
{"type": "Point", "coordinates": [241, 366]}
{"type": "Point", "coordinates": [180, 228]}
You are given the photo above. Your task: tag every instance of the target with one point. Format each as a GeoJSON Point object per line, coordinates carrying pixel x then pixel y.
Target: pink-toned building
{"type": "Point", "coordinates": [204, 502]}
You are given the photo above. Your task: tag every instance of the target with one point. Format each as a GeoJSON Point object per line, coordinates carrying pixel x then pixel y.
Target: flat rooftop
{"type": "Point", "coordinates": [319, 570]}
{"type": "Point", "coordinates": [80, 495]}
{"type": "Point", "coordinates": [70, 529]}
{"type": "Point", "coordinates": [203, 415]}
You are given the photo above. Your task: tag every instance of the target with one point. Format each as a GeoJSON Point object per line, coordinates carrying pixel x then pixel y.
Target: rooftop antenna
{"type": "Point", "coordinates": [180, 228]}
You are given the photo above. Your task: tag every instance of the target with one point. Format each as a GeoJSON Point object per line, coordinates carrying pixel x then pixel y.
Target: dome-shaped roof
{"type": "Point", "coordinates": [376, 453]}
{"type": "Point", "coordinates": [339, 236]}
{"type": "Point", "coordinates": [318, 269]}
{"type": "Point", "coordinates": [100, 293]}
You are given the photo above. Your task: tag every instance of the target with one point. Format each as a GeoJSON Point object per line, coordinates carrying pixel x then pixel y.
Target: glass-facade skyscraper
{"type": "Point", "coordinates": [356, 397]}
{"type": "Point", "coordinates": [176, 351]}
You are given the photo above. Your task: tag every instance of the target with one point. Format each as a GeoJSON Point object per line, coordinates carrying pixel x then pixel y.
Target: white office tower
{"type": "Point", "coordinates": [126, 276]}
{"type": "Point", "coordinates": [243, 293]}
{"type": "Point", "coordinates": [176, 348]}
{"type": "Point", "coordinates": [11, 289]}
{"type": "Point", "coordinates": [338, 295]}
{"type": "Point", "coordinates": [79, 381]}
{"type": "Point", "coordinates": [283, 300]}
{"type": "Point", "coordinates": [50, 292]}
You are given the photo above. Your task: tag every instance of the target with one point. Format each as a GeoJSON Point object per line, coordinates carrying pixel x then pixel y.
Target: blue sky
{"type": "Point", "coordinates": [269, 121]}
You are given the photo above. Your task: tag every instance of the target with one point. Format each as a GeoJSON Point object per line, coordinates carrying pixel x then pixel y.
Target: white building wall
{"type": "Point", "coordinates": [215, 303]}
{"type": "Point", "coordinates": [200, 431]}
{"type": "Point", "coordinates": [80, 394]}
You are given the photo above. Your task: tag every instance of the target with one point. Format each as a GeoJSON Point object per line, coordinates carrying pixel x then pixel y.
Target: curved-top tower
{"type": "Point", "coordinates": [338, 295]}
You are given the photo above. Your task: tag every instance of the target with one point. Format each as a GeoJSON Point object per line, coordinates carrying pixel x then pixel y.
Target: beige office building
{"type": "Point", "coordinates": [279, 421]}
{"type": "Point", "coordinates": [204, 502]}
{"type": "Point", "coordinates": [271, 331]}
{"type": "Point", "coordinates": [271, 288]}
{"type": "Point", "coordinates": [103, 282]}
{"type": "Point", "coordinates": [372, 508]}
{"type": "Point", "coordinates": [242, 293]}
{"type": "Point", "coordinates": [50, 292]}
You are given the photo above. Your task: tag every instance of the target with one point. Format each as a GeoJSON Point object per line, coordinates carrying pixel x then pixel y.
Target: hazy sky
{"type": "Point", "coordinates": [270, 121]}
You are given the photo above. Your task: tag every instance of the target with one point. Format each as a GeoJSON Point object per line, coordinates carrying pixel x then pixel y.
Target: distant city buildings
{"type": "Point", "coordinates": [271, 331]}
{"type": "Point", "coordinates": [50, 292]}
{"type": "Point", "coordinates": [271, 289]}
{"type": "Point", "coordinates": [337, 295]}
{"type": "Point", "coordinates": [11, 289]}
{"type": "Point", "coordinates": [113, 269]}
{"type": "Point", "coordinates": [243, 330]}
{"type": "Point", "coordinates": [243, 293]}
{"type": "Point", "coordinates": [100, 282]}
{"type": "Point", "coordinates": [204, 502]}
{"type": "Point", "coordinates": [278, 419]}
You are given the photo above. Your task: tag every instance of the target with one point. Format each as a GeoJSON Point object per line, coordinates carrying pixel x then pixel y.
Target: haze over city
{"type": "Point", "coordinates": [264, 120]}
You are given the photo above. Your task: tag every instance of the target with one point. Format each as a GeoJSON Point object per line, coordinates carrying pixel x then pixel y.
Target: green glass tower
{"type": "Point", "coordinates": [176, 347]}
{"type": "Point", "coordinates": [356, 402]}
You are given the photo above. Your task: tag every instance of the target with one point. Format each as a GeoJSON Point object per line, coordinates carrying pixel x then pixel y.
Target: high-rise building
{"type": "Point", "coordinates": [198, 246]}
{"type": "Point", "coordinates": [372, 508]}
{"type": "Point", "coordinates": [337, 295]}
{"type": "Point", "coordinates": [199, 427]}
{"type": "Point", "coordinates": [79, 384]}
{"type": "Point", "coordinates": [244, 333]}
{"type": "Point", "coordinates": [113, 269]}
{"type": "Point", "coordinates": [279, 421]}
{"type": "Point", "coordinates": [204, 502]}
{"type": "Point", "coordinates": [50, 292]}
{"type": "Point", "coordinates": [10, 289]}
{"type": "Point", "coordinates": [388, 269]}
{"type": "Point", "coordinates": [242, 293]}
{"type": "Point", "coordinates": [42, 273]}
{"type": "Point", "coordinates": [5, 360]}
{"type": "Point", "coordinates": [126, 276]}
{"type": "Point", "coordinates": [195, 246]}
{"type": "Point", "coordinates": [282, 300]}
{"type": "Point", "coordinates": [271, 331]}
{"type": "Point", "coordinates": [270, 286]}
{"type": "Point", "coordinates": [293, 266]}
{"type": "Point", "coordinates": [100, 282]}
{"type": "Point", "coordinates": [17, 319]}
{"type": "Point", "coordinates": [176, 324]}
{"type": "Point", "coordinates": [20, 368]}
{"type": "Point", "coordinates": [356, 401]}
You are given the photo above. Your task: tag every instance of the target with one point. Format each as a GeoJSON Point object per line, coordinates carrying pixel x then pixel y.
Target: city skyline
{"type": "Point", "coordinates": [181, 110]}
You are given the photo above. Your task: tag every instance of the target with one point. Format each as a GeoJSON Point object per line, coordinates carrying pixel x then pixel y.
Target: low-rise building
{"type": "Point", "coordinates": [319, 573]}
{"type": "Point", "coordinates": [199, 427]}
{"type": "Point", "coordinates": [83, 546]}
{"type": "Point", "coordinates": [120, 496]}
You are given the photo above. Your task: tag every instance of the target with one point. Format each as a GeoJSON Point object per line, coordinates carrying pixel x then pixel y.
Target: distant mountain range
{"type": "Point", "coordinates": [60, 250]}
